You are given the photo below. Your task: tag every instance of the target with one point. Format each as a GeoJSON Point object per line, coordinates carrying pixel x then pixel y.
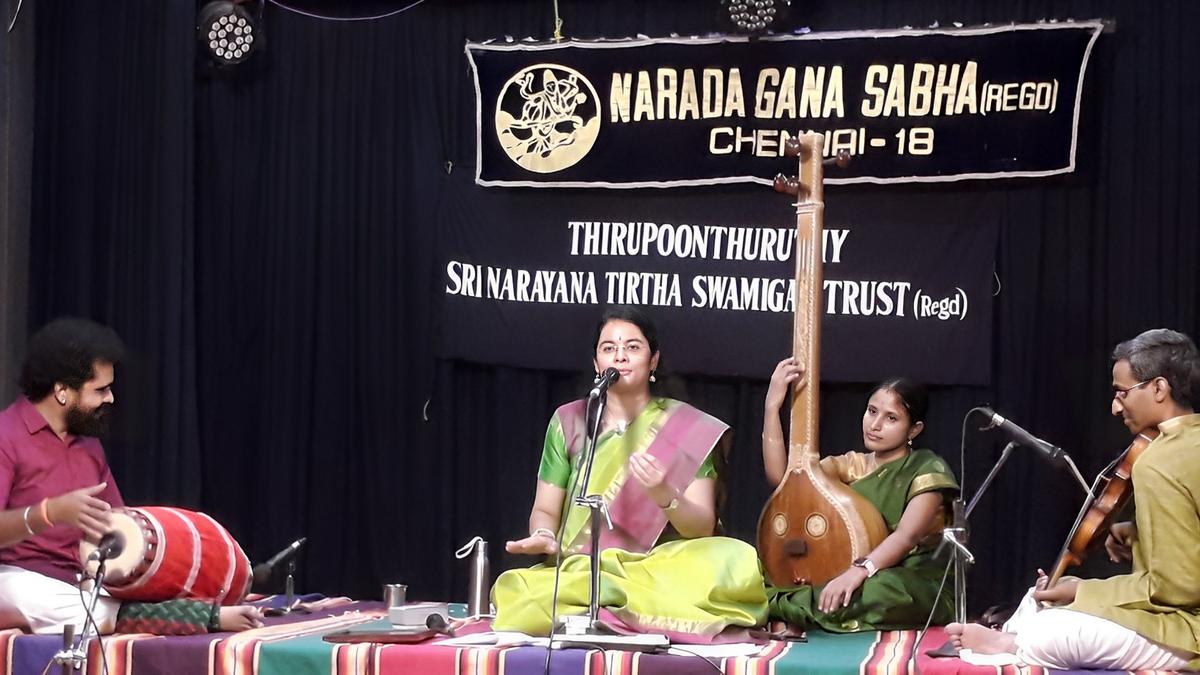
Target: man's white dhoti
{"type": "Point", "coordinates": [1066, 639]}
{"type": "Point", "coordinates": [44, 604]}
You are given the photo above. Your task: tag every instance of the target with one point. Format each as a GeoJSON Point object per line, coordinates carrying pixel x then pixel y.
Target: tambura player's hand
{"type": "Point", "coordinates": [788, 375]}
{"type": "Point", "coordinates": [83, 509]}
{"type": "Point", "coordinates": [840, 590]}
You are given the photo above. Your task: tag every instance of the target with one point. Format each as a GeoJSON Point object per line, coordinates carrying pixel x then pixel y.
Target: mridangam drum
{"type": "Point", "coordinates": [173, 553]}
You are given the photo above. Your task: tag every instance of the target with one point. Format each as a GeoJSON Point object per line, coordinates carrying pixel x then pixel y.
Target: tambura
{"type": "Point", "coordinates": [173, 553]}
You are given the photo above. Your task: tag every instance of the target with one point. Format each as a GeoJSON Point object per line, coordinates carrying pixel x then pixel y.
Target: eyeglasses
{"type": "Point", "coordinates": [1120, 393]}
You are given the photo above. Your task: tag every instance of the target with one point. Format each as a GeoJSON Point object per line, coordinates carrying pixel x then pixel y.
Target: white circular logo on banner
{"type": "Point", "coordinates": [547, 117]}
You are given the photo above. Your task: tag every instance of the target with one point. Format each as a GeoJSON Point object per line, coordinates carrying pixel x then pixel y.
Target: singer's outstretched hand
{"type": "Point", "coordinates": [81, 508]}
{"type": "Point", "coordinates": [535, 544]}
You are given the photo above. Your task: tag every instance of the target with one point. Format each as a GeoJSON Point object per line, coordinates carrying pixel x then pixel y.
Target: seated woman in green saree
{"type": "Point", "coordinates": [661, 570]}
{"type": "Point", "coordinates": [894, 586]}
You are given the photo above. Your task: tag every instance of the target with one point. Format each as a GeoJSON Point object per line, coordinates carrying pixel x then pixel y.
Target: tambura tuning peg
{"type": "Point", "coordinates": [842, 160]}
{"type": "Point", "coordinates": [792, 147]}
{"type": "Point", "coordinates": [787, 184]}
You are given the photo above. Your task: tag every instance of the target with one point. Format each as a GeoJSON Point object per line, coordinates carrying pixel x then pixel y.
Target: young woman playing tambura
{"type": "Point", "coordinates": [894, 586]}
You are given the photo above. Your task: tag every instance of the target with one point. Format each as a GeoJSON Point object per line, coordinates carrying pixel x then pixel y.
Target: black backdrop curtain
{"type": "Point", "coordinates": [266, 241]}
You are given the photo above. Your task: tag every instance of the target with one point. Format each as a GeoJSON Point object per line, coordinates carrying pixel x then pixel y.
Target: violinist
{"type": "Point", "coordinates": [892, 587]}
{"type": "Point", "coordinates": [1148, 619]}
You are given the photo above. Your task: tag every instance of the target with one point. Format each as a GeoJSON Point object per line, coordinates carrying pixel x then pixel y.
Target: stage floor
{"type": "Point", "coordinates": [293, 646]}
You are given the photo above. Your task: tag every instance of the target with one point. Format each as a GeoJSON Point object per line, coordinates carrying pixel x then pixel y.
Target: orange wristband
{"type": "Point", "coordinates": [45, 511]}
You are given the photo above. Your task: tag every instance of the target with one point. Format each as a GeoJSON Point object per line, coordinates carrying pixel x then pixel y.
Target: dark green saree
{"type": "Point", "coordinates": [899, 597]}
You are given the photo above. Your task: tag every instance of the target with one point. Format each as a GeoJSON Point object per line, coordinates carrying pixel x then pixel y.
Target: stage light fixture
{"type": "Point", "coordinates": [755, 16]}
{"type": "Point", "coordinates": [227, 31]}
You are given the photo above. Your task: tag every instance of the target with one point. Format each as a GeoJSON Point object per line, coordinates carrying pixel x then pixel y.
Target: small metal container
{"type": "Point", "coordinates": [395, 595]}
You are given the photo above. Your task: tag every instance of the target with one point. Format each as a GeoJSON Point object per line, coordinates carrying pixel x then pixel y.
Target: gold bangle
{"type": "Point", "coordinates": [543, 531]}
{"type": "Point", "coordinates": [26, 518]}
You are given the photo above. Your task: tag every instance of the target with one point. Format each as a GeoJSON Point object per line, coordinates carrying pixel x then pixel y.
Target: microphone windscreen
{"type": "Point", "coordinates": [262, 574]}
{"type": "Point", "coordinates": [110, 546]}
{"type": "Point", "coordinates": [118, 546]}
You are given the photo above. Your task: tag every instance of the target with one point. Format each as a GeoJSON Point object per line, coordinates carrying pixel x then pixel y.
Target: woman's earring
{"type": "Point", "coordinates": [910, 444]}
{"type": "Point", "coordinates": [596, 380]}
{"type": "Point", "coordinates": [652, 378]}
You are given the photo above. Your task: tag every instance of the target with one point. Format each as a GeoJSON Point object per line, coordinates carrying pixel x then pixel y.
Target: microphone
{"type": "Point", "coordinates": [111, 545]}
{"type": "Point", "coordinates": [435, 622]}
{"type": "Point", "coordinates": [262, 571]}
{"type": "Point", "coordinates": [1021, 436]}
{"type": "Point", "coordinates": [606, 380]}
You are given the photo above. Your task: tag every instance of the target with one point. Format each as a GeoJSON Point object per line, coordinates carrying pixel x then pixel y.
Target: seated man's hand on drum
{"type": "Point", "coordinates": [81, 508]}
{"type": "Point", "coordinates": [240, 617]}
{"type": "Point", "coordinates": [538, 543]}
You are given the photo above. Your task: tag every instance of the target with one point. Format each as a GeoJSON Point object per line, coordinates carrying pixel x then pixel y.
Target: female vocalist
{"type": "Point", "coordinates": [894, 586]}
{"type": "Point", "coordinates": [662, 570]}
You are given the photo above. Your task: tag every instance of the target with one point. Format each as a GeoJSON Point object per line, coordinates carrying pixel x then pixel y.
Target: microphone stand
{"type": "Point", "coordinates": [72, 656]}
{"type": "Point", "coordinates": [587, 631]}
{"type": "Point", "coordinates": [67, 658]}
{"type": "Point", "coordinates": [289, 589]}
{"type": "Point", "coordinates": [956, 537]}
{"type": "Point", "coordinates": [958, 534]}
{"type": "Point", "coordinates": [595, 503]}
{"type": "Point", "coordinates": [290, 602]}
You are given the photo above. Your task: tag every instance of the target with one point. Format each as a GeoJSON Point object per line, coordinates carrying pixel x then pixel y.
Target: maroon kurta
{"type": "Point", "coordinates": [34, 464]}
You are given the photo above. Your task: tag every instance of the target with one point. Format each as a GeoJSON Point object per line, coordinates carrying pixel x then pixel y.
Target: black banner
{"type": "Point", "coordinates": [525, 275]}
{"type": "Point", "coordinates": [910, 105]}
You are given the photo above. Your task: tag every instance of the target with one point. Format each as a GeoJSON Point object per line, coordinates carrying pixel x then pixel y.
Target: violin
{"type": "Point", "coordinates": [1092, 526]}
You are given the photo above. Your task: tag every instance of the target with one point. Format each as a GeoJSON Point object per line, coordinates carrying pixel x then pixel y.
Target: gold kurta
{"type": "Point", "coordinates": [1160, 599]}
